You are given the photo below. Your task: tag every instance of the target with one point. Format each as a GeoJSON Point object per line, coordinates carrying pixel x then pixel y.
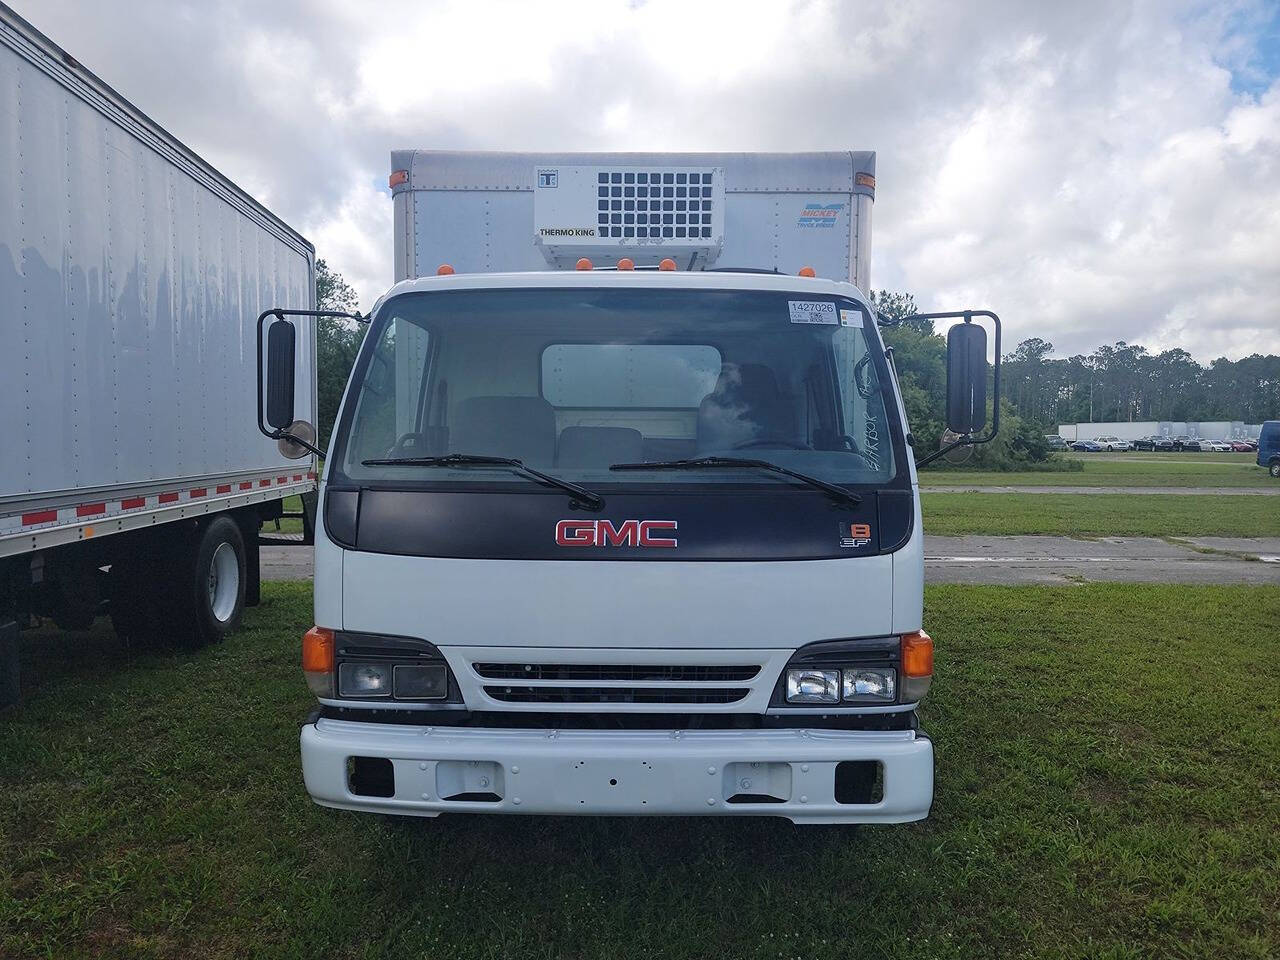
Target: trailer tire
{"type": "Point", "coordinates": [215, 583]}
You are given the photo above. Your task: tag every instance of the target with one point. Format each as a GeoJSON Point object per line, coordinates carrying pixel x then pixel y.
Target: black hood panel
{"type": "Point", "coordinates": [725, 526]}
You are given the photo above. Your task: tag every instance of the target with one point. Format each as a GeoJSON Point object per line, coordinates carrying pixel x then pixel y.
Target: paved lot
{"type": "Point", "coordinates": [1270, 491]}
{"type": "Point", "coordinates": [981, 559]}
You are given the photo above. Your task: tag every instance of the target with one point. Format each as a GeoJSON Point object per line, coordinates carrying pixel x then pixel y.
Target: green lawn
{"type": "Point", "coordinates": [1107, 787]}
{"type": "Point", "coordinates": [1101, 514]}
{"type": "Point", "coordinates": [1121, 470]}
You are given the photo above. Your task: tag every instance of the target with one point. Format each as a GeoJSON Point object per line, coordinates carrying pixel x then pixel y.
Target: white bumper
{"type": "Point", "coordinates": [622, 772]}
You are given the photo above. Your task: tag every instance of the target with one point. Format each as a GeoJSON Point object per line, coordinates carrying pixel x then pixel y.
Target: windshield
{"type": "Point", "coordinates": [573, 381]}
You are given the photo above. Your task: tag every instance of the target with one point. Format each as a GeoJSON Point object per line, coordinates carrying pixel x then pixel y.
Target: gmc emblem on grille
{"type": "Point", "coordinates": [604, 533]}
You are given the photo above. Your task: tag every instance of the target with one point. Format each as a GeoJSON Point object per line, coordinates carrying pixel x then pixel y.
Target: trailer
{"type": "Point", "coordinates": [132, 274]}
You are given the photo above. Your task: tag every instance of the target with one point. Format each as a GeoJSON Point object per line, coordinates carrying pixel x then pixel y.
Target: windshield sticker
{"type": "Point", "coordinates": [850, 318]}
{"type": "Point", "coordinates": [812, 311]}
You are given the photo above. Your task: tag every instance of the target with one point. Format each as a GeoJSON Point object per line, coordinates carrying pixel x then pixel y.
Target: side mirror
{"type": "Point", "coordinates": [281, 346]}
{"type": "Point", "coordinates": [966, 378]}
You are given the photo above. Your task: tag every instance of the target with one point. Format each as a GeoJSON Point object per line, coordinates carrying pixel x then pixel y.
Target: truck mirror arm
{"type": "Point", "coordinates": [280, 314]}
{"type": "Point", "coordinates": [967, 316]}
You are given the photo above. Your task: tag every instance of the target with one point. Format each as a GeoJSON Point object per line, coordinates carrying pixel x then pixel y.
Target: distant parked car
{"type": "Point", "coordinates": [1144, 443]}
{"type": "Point", "coordinates": [1055, 442]}
{"type": "Point", "coordinates": [1217, 446]}
{"type": "Point", "coordinates": [1110, 444]}
{"type": "Point", "coordinates": [1087, 446]}
{"type": "Point", "coordinates": [1195, 445]}
{"type": "Point", "coordinates": [1180, 443]}
{"type": "Point", "coordinates": [1163, 444]}
{"type": "Point", "coordinates": [1244, 446]}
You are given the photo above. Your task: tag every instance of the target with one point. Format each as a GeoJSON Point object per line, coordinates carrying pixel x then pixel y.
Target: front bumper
{"type": "Point", "coordinates": [619, 772]}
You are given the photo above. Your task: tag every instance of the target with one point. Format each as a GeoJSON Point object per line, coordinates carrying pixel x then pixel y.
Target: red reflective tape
{"type": "Point", "coordinates": [297, 477]}
{"type": "Point", "coordinates": [311, 476]}
{"type": "Point", "coordinates": [40, 516]}
{"type": "Point", "coordinates": [224, 488]}
{"type": "Point", "coordinates": [199, 492]}
{"type": "Point", "coordinates": [246, 484]}
{"type": "Point", "coordinates": [90, 509]}
{"type": "Point", "coordinates": [168, 497]}
{"type": "Point", "coordinates": [133, 503]}
{"type": "Point", "coordinates": [264, 483]}
{"type": "Point", "coordinates": [282, 479]}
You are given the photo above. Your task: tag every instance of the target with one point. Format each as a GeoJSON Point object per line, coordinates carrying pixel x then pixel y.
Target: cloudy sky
{"type": "Point", "coordinates": [1092, 171]}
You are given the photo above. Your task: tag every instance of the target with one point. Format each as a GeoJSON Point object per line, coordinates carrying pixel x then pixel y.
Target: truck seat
{"type": "Point", "coordinates": [745, 405]}
{"type": "Point", "coordinates": [520, 427]}
{"type": "Point", "coordinates": [599, 446]}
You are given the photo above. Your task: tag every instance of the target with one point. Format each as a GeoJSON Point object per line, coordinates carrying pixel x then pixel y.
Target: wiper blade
{"type": "Point", "coordinates": [589, 497]}
{"type": "Point", "coordinates": [697, 463]}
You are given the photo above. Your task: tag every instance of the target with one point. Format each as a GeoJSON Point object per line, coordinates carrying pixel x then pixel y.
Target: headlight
{"type": "Point", "coordinates": [874, 685]}
{"type": "Point", "coordinates": [364, 680]}
{"type": "Point", "coordinates": [421, 682]}
{"type": "Point", "coordinates": [813, 686]}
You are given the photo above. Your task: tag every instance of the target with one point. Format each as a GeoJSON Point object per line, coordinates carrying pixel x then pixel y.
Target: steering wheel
{"type": "Point", "coordinates": [771, 442]}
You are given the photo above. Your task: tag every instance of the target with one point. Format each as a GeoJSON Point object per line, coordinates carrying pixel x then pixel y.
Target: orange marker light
{"type": "Point", "coordinates": [318, 660]}
{"type": "Point", "coordinates": [667, 264]}
{"type": "Point", "coordinates": [398, 177]}
{"type": "Point", "coordinates": [917, 654]}
{"type": "Point", "coordinates": [317, 650]}
{"type": "Point", "coordinates": [584, 264]}
{"type": "Point", "coordinates": [444, 270]}
{"type": "Point", "coordinates": [626, 263]}
{"type": "Point", "coordinates": [808, 272]}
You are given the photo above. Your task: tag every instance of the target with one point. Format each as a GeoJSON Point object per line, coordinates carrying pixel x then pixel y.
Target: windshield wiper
{"type": "Point", "coordinates": [697, 463]}
{"type": "Point", "coordinates": [588, 497]}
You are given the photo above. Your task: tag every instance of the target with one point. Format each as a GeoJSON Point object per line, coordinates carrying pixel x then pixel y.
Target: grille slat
{"type": "Point", "coordinates": [628, 673]}
{"type": "Point", "coordinates": [616, 694]}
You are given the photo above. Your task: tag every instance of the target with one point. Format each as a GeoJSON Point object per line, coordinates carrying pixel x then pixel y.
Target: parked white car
{"type": "Point", "coordinates": [1217, 446]}
{"type": "Point", "coordinates": [1111, 444]}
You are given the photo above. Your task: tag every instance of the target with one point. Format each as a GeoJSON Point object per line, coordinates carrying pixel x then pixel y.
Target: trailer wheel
{"type": "Point", "coordinates": [217, 577]}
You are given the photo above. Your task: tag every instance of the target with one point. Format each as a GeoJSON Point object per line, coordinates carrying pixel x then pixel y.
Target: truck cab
{"type": "Point", "coordinates": [621, 541]}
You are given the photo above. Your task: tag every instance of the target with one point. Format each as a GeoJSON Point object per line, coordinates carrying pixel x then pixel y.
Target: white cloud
{"type": "Point", "coordinates": [1089, 170]}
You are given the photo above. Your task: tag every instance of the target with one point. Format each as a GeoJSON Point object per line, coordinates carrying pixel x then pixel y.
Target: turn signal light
{"type": "Point", "coordinates": [444, 270]}
{"type": "Point", "coordinates": [626, 263]}
{"type": "Point", "coordinates": [667, 264]}
{"type": "Point", "coordinates": [584, 264]}
{"type": "Point", "coordinates": [318, 659]}
{"type": "Point", "coordinates": [917, 665]}
{"type": "Point", "coordinates": [808, 272]}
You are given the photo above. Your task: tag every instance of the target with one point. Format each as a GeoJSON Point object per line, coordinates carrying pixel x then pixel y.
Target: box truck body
{"type": "Point", "coordinates": [637, 531]}
{"type": "Point", "coordinates": [131, 277]}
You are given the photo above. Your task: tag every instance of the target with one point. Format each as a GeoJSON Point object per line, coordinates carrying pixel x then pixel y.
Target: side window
{"type": "Point", "coordinates": [621, 375]}
{"type": "Point", "coordinates": [389, 405]}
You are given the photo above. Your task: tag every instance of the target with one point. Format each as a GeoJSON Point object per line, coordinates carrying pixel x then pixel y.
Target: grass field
{"type": "Point", "coordinates": [1100, 515]}
{"type": "Point", "coordinates": [1108, 786]}
{"type": "Point", "coordinates": [1121, 470]}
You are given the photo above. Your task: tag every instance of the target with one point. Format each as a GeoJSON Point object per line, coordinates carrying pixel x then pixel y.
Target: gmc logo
{"type": "Point", "coordinates": [603, 533]}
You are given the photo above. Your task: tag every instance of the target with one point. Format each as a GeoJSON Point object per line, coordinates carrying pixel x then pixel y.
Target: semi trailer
{"type": "Point", "coordinates": [620, 513]}
{"type": "Point", "coordinates": [131, 277]}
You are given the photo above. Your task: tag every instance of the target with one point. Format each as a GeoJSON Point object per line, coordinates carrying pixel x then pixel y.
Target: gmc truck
{"type": "Point", "coordinates": [620, 514]}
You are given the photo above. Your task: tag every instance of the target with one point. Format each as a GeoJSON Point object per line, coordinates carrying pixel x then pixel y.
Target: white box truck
{"type": "Point", "coordinates": [131, 278]}
{"type": "Point", "coordinates": [620, 514]}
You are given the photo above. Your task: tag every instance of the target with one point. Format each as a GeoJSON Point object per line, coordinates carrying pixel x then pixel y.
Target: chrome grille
{"type": "Point", "coordinates": [625, 672]}
{"type": "Point", "coordinates": [686, 695]}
